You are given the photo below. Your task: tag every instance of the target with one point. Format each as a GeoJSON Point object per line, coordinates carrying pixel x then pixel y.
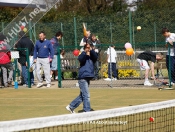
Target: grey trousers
{"type": "Point", "coordinates": [6, 67]}
{"type": "Point", "coordinates": [45, 64]}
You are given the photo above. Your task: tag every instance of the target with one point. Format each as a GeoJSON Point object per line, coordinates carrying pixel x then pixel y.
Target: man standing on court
{"type": "Point", "coordinates": [25, 42]}
{"type": "Point", "coordinates": [86, 72]}
{"type": "Point", "coordinates": [170, 38]}
{"type": "Point", "coordinates": [143, 59]}
{"type": "Point", "coordinates": [55, 43]}
{"type": "Point", "coordinates": [43, 55]}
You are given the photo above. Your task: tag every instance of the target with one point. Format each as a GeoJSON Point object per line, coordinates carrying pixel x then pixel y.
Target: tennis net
{"type": "Point", "coordinates": [154, 117]}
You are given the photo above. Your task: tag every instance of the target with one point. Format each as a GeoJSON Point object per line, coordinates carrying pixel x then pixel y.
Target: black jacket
{"type": "Point", "coordinates": [24, 42]}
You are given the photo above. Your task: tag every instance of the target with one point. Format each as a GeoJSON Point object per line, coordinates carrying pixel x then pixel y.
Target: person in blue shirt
{"type": "Point", "coordinates": [43, 55]}
{"type": "Point", "coordinates": [86, 72]}
{"type": "Point", "coordinates": [55, 43]}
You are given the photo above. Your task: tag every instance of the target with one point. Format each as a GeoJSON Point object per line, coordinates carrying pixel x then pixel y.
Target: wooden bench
{"type": "Point", "coordinates": [161, 64]}
{"type": "Point", "coordinates": [69, 64]}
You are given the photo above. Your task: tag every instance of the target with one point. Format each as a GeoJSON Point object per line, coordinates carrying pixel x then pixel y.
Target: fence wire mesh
{"type": "Point", "coordinates": [116, 29]}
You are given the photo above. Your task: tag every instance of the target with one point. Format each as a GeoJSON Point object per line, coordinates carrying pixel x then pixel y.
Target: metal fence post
{"type": "Point", "coordinates": [62, 39]}
{"type": "Point", "coordinates": [130, 27]}
{"type": "Point", "coordinates": [169, 66]}
{"type": "Point", "coordinates": [28, 67]}
{"type": "Point", "coordinates": [2, 27]}
{"type": "Point", "coordinates": [59, 68]}
{"type": "Point", "coordinates": [75, 32]}
{"type": "Point", "coordinates": [111, 31]}
{"type": "Point", "coordinates": [155, 37]}
{"type": "Point", "coordinates": [30, 30]}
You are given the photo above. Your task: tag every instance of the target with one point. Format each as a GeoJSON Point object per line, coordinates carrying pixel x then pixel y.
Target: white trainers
{"type": "Point", "coordinates": [39, 85]}
{"type": "Point", "coordinates": [172, 84]}
{"type": "Point", "coordinates": [56, 77]}
{"type": "Point", "coordinates": [77, 85]}
{"type": "Point", "coordinates": [108, 79]}
{"type": "Point", "coordinates": [48, 85]}
{"type": "Point", "coordinates": [114, 79]}
{"type": "Point", "coordinates": [69, 109]}
{"type": "Point", "coordinates": [147, 83]}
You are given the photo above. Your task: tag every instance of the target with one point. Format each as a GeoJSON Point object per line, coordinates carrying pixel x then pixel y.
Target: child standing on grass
{"type": "Point", "coordinates": [86, 72]}
{"type": "Point", "coordinates": [111, 59]}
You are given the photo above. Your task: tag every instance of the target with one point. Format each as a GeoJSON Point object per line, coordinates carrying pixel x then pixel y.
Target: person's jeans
{"type": "Point", "coordinates": [112, 69]}
{"type": "Point", "coordinates": [96, 69]}
{"type": "Point", "coordinates": [84, 96]}
{"type": "Point", "coordinates": [24, 74]}
{"type": "Point", "coordinates": [32, 77]}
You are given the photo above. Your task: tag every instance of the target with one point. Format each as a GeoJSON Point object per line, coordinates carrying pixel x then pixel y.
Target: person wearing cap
{"type": "Point", "coordinates": [5, 61]}
{"type": "Point", "coordinates": [111, 59]}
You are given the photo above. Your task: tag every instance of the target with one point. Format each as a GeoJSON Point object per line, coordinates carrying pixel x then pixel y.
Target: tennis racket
{"type": "Point", "coordinates": [159, 78]}
{"type": "Point", "coordinates": [32, 68]}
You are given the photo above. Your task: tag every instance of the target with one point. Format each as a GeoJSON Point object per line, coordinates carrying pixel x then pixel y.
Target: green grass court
{"type": "Point", "coordinates": [31, 103]}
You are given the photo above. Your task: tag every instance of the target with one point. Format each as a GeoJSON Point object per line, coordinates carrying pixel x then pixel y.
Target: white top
{"type": "Point", "coordinates": [112, 55]}
{"type": "Point", "coordinates": [82, 43]}
{"type": "Point", "coordinates": [171, 38]}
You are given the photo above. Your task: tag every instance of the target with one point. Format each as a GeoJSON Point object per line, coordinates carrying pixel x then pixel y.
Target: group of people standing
{"type": "Point", "coordinates": [44, 54]}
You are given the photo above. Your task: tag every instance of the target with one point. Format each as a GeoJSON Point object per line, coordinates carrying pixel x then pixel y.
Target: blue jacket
{"type": "Point", "coordinates": [43, 49]}
{"type": "Point", "coordinates": [55, 44]}
{"type": "Point", "coordinates": [87, 65]}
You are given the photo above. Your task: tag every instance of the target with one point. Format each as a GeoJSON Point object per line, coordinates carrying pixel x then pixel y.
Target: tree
{"type": "Point", "coordinates": [143, 5]}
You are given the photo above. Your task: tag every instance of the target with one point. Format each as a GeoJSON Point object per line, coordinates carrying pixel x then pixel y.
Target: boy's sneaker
{"type": "Point", "coordinates": [25, 85]}
{"type": "Point", "coordinates": [6, 85]}
{"type": "Point", "coordinates": [172, 84]}
{"type": "Point", "coordinates": [48, 85]}
{"type": "Point", "coordinates": [108, 79]}
{"type": "Point", "coordinates": [69, 109]}
{"type": "Point", "coordinates": [114, 79]}
{"type": "Point", "coordinates": [147, 83]}
{"type": "Point", "coordinates": [39, 85]}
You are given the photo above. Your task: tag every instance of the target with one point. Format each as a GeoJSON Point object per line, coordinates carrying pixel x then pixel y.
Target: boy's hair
{"type": "Point", "coordinates": [160, 54]}
{"type": "Point", "coordinates": [21, 33]}
{"type": "Point", "coordinates": [164, 30]}
{"type": "Point", "coordinates": [42, 32]}
{"type": "Point", "coordinates": [59, 33]}
{"type": "Point", "coordinates": [86, 45]}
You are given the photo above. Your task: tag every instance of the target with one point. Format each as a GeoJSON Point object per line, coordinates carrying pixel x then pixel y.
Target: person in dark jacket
{"type": "Point", "coordinates": [86, 72]}
{"type": "Point", "coordinates": [5, 61]}
{"type": "Point", "coordinates": [24, 42]}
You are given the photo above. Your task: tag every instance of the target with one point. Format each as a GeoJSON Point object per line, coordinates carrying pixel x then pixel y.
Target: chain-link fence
{"type": "Point", "coordinates": [116, 29]}
{"type": "Point", "coordinates": [128, 69]}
